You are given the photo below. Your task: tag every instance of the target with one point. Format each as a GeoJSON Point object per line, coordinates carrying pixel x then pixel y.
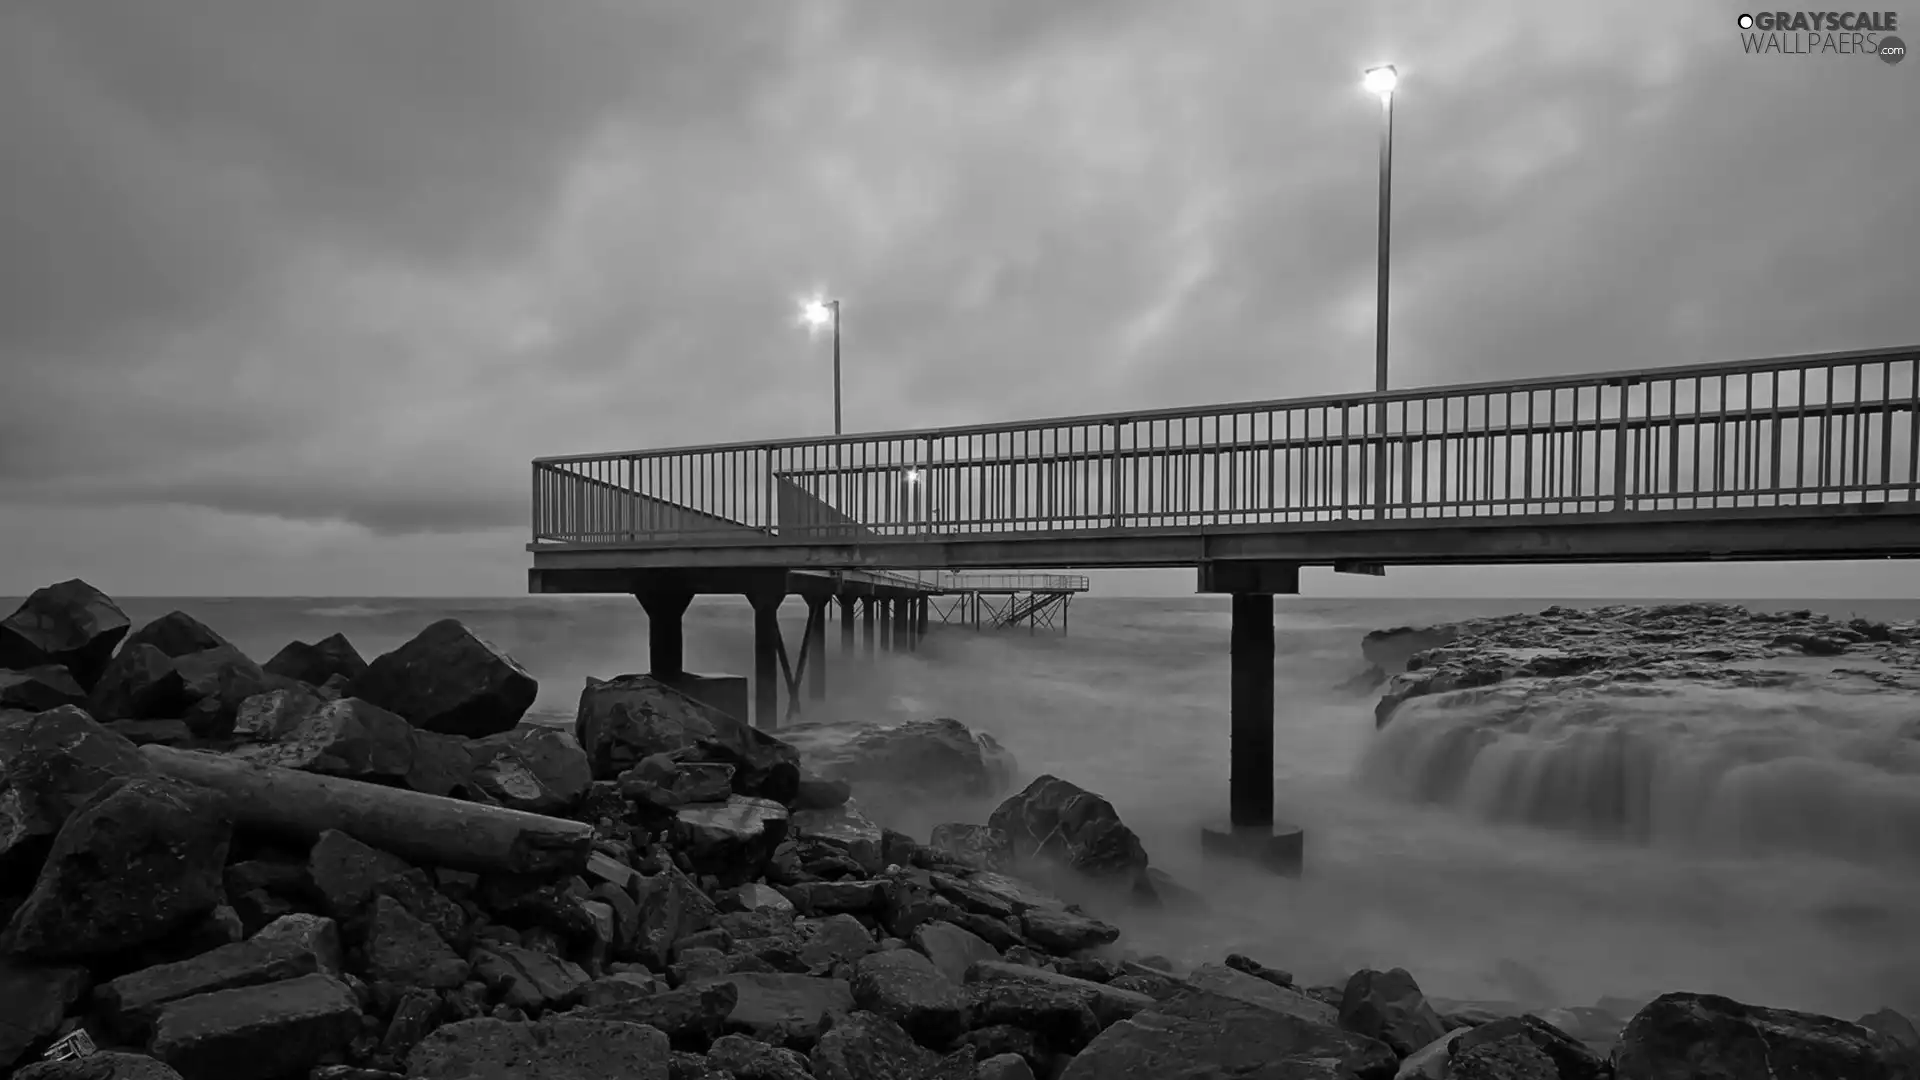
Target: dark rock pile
{"type": "Point", "coordinates": [325, 868]}
{"type": "Point", "coordinates": [1563, 653]}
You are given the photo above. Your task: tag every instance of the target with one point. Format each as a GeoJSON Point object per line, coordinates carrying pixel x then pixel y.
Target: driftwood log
{"type": "Point", "coordinates": [430, 830]}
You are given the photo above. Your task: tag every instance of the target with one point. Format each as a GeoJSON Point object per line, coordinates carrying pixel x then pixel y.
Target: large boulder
{"type": "Point", "coordinates": [216, 682]}
{"type": "Point", "coordinates": [319, 661]}
{"type": "Point", "coordinates": [258, 1032]}
{"type": "Point", "coordinates": [538, 769]}
{"type": "Point", "coordinates": [50, 764]}
{"type": "Point", "coordinates": [1685, 1036]}
{"type": "Point", "coordinates": [177, 634]}
{"type": "Point", "coordinates": [289, 947]}
{"type": "Point", "coordinates": [139, 683]}
{"type": "Point", "coordinates": [349, 737]}
{"type": "Point", "coordinates": [732, 840]}
{"type": "Point", "coordinates": [38, 689]}
{"type": "Point", "coordinates": [71, 624]}
{"type": "Point", "coordinates": [448, 679]}
{"type": "Point", "coordinates": [905, 987]}
{"type": "Point", "coordinates": [1060, 821]}
{"type": "Point", "coordinates": [103, 1065]}
{"type": "Point", "coordinates": [1205, 1034]}
{"type": "Point", "coordinates": [934, 757]}
{"type": "Point", "coordinates": [556, 1048]}
{"type": "Point", "coordinates": [631, 717]}
{"type": "Point", "coordinates": [1388, 1005]}
{"type": "Point", "coordinates": [136, 863]}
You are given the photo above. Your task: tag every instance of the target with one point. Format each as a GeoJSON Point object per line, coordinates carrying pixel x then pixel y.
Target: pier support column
{"type": "Point", "coordinates": [866, 626]}
{"type": "Point", "coordinates": [666, 636]}
{"type": "Point", "coordinates": [766, 658]}
{"type": "Point", "coordinates": [817, 648]}
{"type": "Point", "coordinates": [902, 631]}
{"type": "Point", "coordinates": [846, 625]}
{"type": "Point", "coordinates": [1250, 831]}
{"type": "Point", "coordinates": [925, 603]}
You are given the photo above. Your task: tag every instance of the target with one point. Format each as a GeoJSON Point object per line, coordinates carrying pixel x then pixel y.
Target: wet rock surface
{"type": "Point", "coordinates": [668, 895]}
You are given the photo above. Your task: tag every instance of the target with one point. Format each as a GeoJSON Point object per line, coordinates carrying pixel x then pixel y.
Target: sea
{"type": "Point", "coordinates": [1800, 887]}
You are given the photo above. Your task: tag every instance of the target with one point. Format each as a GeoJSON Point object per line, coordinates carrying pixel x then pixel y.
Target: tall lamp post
{"type": "Point", "coordinates": [819, 313]}
{"type": "Point", "coordinates": [1381, 81]}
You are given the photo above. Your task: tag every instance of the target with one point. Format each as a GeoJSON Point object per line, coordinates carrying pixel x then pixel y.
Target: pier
{"type": "Point", "coordinates": [1786, 458]}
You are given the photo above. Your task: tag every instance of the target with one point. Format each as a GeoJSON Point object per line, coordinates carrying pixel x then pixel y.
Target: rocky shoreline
{"type": "Point", "coordinates": [329, 868]}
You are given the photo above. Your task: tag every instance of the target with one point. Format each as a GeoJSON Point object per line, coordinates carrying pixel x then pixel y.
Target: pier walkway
{"type": "Point", "coordinates": [1787, 458]}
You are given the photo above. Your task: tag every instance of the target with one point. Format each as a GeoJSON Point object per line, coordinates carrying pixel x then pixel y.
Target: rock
{"type": "Point", "coordinates": [846, 828]}
{"type": "Point", "coordinates": [257, 1032]}
{"type": "Point", "coordinates": [449, 680]}
{"type": "Point", "coordinates": [556, 1048]}
{"type": "Point", "coordinates": [315, 663]}
{"type": "Point", "coordinates": [346, 873]}
{"type": "Point", "coordinates": [834, 897]}
{"type": "Point", "coordinates": [622, 720]}
{"type": "Point", "coordinates": [1005, 1067]}
{"type": "Point", "coordinates": [216, 682]}
{"type": "Point", "coordinates": [1894, 1026]}
{"type": "Point", "coordinates": [1061, 1020]}
{"type": "Point", "coordinates": [1110, 1004]}
{"type": "Point", "coordinates": [1212, 1035]}
{"type": "Point", "coordinates": [1056, 820]}
{"type": "Point", "coordinates": [72, 625]}
{"type": "Point", "coordinates": [692, 1017]}
{"type": "Point", "coordinates": [621, 986]}
{"type": "Point", "coordinates": [417, 1014]}
{"type": "Point", "coordinates": [139, 861]}
{"type": "Point", "coordinates": [1066, 932]}
{"type": "Point", "coordinates": [105, 1065]}
{"type": "Point", "coordinates": [980, 901]}
{"type": "Point", "coordinates": [1016, 894]}
{"type": "Point", "coordinates": [177, 634]}
{"type": "Point", "coordinates": [661, 782]}
{"type": "Point", "coordinates": [1249, 966]}
{"type": "Point", "coordinates": [865, 1046]}
{"type": "Point", "coordinates": [952, 949]}
{"type": "Point", "coordinates": [905, 987]}
{"type": "Point", "coordinates": [1238, 985]}
{"type": "Point", "coordinates": [671, 907]}
{"type": "Point", "coordinates": [732, 840]}
{"type": "Point", "coordinates": [1388, 1005]}
{"type": "Point", "coordinates": [820, 793]}
{"type": "Point", "coordinates": [1684, 1036]}
{"type": "Point", "coordinates": [33, 1001]}
{"type": "Point", "coordinates": [1432, 1061]}
{"type": "Point", "coordinates": [540, 770]}
{"type": "Point", "coordinates": [50, 763]}
{"type": "Point", "coordinates": [836, 939]}
{"type": "Point", "coordinates": [1521, 1040]}
{"type": "Point", "coordinates": [153, 732]}
{"type": "Point", "coordinates": [403, 950]}
{"type": "Point", "coordinates": [748, 1059]}
{"type": "Point", "coordinates": [529, 980]}
{"type": "Point", "coordinates": [348, 737]}
{"type": "Point", "coordinates": [442, 765]}
{"type": "Point", "coordinates": [140, 683]}
{"type": "Point", "coordinates": [982, 847]}
{"type": "Point", "coordinates": [933, 758]}
{"type": "Point", "coordinates": [754, 896]}
{"type": "Point", "coordinates": [289, 947]}
{"type": "Point", "coordinates": [39, 689]}
{"type": "Point", "coordinates": [782, 1007]}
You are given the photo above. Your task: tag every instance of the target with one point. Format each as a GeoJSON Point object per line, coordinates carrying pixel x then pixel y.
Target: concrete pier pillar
{"type": "Point", "coordinates": [902, 632]}
{"type": "Point", "coordinates": [1250, 776]}
{"type": "Point", "coordinates": [817, 648]}
{"type": "Point", "coordinates": [766, 658]}
{"type": "Point", "coordinates": [885, 622]}
{"type": "Point", "coordinates": [1250, 831]}
{"type": "Point", "coordinates": [666, 636]}
{"type": "Point", "coordinates": [866, 626]}
{"type": "Point", "coordinates": [924, 603]}
{"type": "Point", "coordinates": [846, 625]}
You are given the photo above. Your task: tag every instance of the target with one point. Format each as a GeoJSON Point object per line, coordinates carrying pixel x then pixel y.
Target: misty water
{"type": "Point", "coordinates": [1768, 847]}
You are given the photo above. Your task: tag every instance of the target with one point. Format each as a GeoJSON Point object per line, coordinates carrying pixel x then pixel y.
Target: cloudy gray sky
{"type": "Point", "coordinates": [290, 292]}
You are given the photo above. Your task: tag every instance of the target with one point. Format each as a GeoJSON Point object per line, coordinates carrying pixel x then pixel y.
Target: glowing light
{"type": "Point", "coordinates": [817, 313]}
{"type": "Point", "coordinates": [1380, 80]}
{"type": "Point", "coordinates": [913, 476]}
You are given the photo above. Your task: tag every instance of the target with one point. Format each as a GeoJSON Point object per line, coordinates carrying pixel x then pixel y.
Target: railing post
{"type": "Point", "coordinates": [1113, 466]}
{"type": "Point", "coordinates": [1620, 450]}
{"type": "Point", "coordinates": [1380, 465]}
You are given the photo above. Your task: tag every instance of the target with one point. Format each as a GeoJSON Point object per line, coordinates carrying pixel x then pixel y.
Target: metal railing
{"type": "Point", "coordinates": [1826, 429]}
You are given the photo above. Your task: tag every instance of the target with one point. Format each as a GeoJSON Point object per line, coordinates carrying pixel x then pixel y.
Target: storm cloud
{"type": "Point", "coordinates": [323, 277]}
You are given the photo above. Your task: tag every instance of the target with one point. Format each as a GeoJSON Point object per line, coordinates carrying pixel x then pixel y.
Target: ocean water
{"type": "Point", "coordinates": [1798, 888]}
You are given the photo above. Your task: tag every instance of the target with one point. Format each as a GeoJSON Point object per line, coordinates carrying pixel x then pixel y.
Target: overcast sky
{"type": "Point", "coordinates": [291, 291]}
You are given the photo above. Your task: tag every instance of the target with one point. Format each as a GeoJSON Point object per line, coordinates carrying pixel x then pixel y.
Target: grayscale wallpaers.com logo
{"type": "Point", "coordinates": [1810, 33]}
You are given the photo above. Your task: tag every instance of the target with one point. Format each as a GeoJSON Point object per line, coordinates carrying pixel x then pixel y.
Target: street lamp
{"type": "Point", "coordinates": [816, 314]}
{"type": "Point", "coordinates": [1382, 81]}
